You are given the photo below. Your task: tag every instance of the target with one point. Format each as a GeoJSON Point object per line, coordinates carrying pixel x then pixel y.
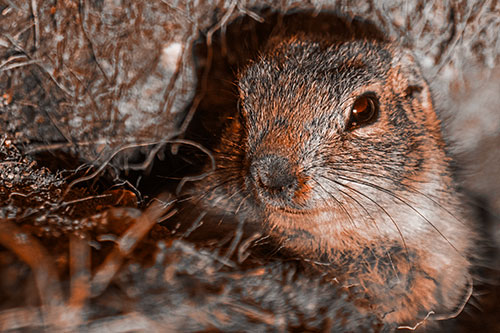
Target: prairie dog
{"type": "Point", "coordinates": [337, 153]}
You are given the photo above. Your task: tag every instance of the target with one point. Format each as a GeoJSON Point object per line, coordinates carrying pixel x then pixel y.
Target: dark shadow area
{"type": "Point", "coordinates": [217, 67]}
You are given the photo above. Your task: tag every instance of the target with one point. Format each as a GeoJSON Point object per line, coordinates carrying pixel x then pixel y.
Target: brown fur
{"type": "Point", "coordinates": [376, 205]}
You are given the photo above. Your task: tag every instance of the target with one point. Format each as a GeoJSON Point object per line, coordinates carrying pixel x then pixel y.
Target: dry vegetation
{"type": "Point", "coordinates": [92, 92]}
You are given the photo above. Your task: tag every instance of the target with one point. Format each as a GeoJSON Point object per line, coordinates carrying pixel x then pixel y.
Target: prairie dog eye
{"type": "Point", "coordinates": [364, 111]}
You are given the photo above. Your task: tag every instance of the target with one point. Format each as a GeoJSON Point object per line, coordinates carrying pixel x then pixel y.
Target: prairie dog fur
{"type": "Point", "coordinates": [337, 153]}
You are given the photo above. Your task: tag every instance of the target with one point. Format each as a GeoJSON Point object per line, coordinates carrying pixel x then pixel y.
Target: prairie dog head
{"type": "Point", "coordinates": [341, 141]}
{"type": "Point", "coordinates": [336, 151]}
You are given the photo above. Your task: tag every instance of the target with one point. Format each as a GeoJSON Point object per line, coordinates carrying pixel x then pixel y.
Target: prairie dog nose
{"type": "Point", "coordinates": [274, 175]}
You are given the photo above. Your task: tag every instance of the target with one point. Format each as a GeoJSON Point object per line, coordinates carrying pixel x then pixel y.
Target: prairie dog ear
{"type": "Point", "coordinates": [408, 77]}
{"type": "Point", "coordinates": [409, 83]}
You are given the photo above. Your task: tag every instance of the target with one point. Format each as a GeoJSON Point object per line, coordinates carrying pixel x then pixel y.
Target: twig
{"type": "Point", "coordinates": [102, 166]}
{"type": "Point", "coordinates": [34, 11]}
{"type": "Point", "coordinates": [11, 59]}
{"type": "Point", "coordinates": [29, 250]}
{"type": "Point", "coordinates": [56, 146]}
{"type": "Point", "coordinates": [450, 48]}
{"type": "Point", "coordinates": [125, 245]}
{"type": "Point", "coordinates": [196, 224]}
{"type": "Point", "coordinates": [137, 145]}
{"type": "Point", "coordinates": [19, 64]}
{"type": "Point", "coordinates": [83, 19]}
{"type": "Point", "coordinates": [131, 322]}
{"type": "Point", "coordinates": [79, 267]}
{"type": "Point", "coordinates": [251, 13]}
{"type": "Point", "coordinates": [201, 176]}
{"type": "Point", "coordinates": [18, 318]}
{"type": "Point", "coordinates": [67, 203]}
{"type": "Point", "coordinates": [204, 78]}
{"type": "Point", "coordinates": [256, 314]}
{"type": "Point", "coordinates": [417, 325]}
{"type": "Point", "coordinates": [222, 22]}
{"type": "Point", "coordinates": [242, 249]}
{"type": "Point", "coordinates": [147, 162]}
{"type": "Point", "coordinates": [236, 240]}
